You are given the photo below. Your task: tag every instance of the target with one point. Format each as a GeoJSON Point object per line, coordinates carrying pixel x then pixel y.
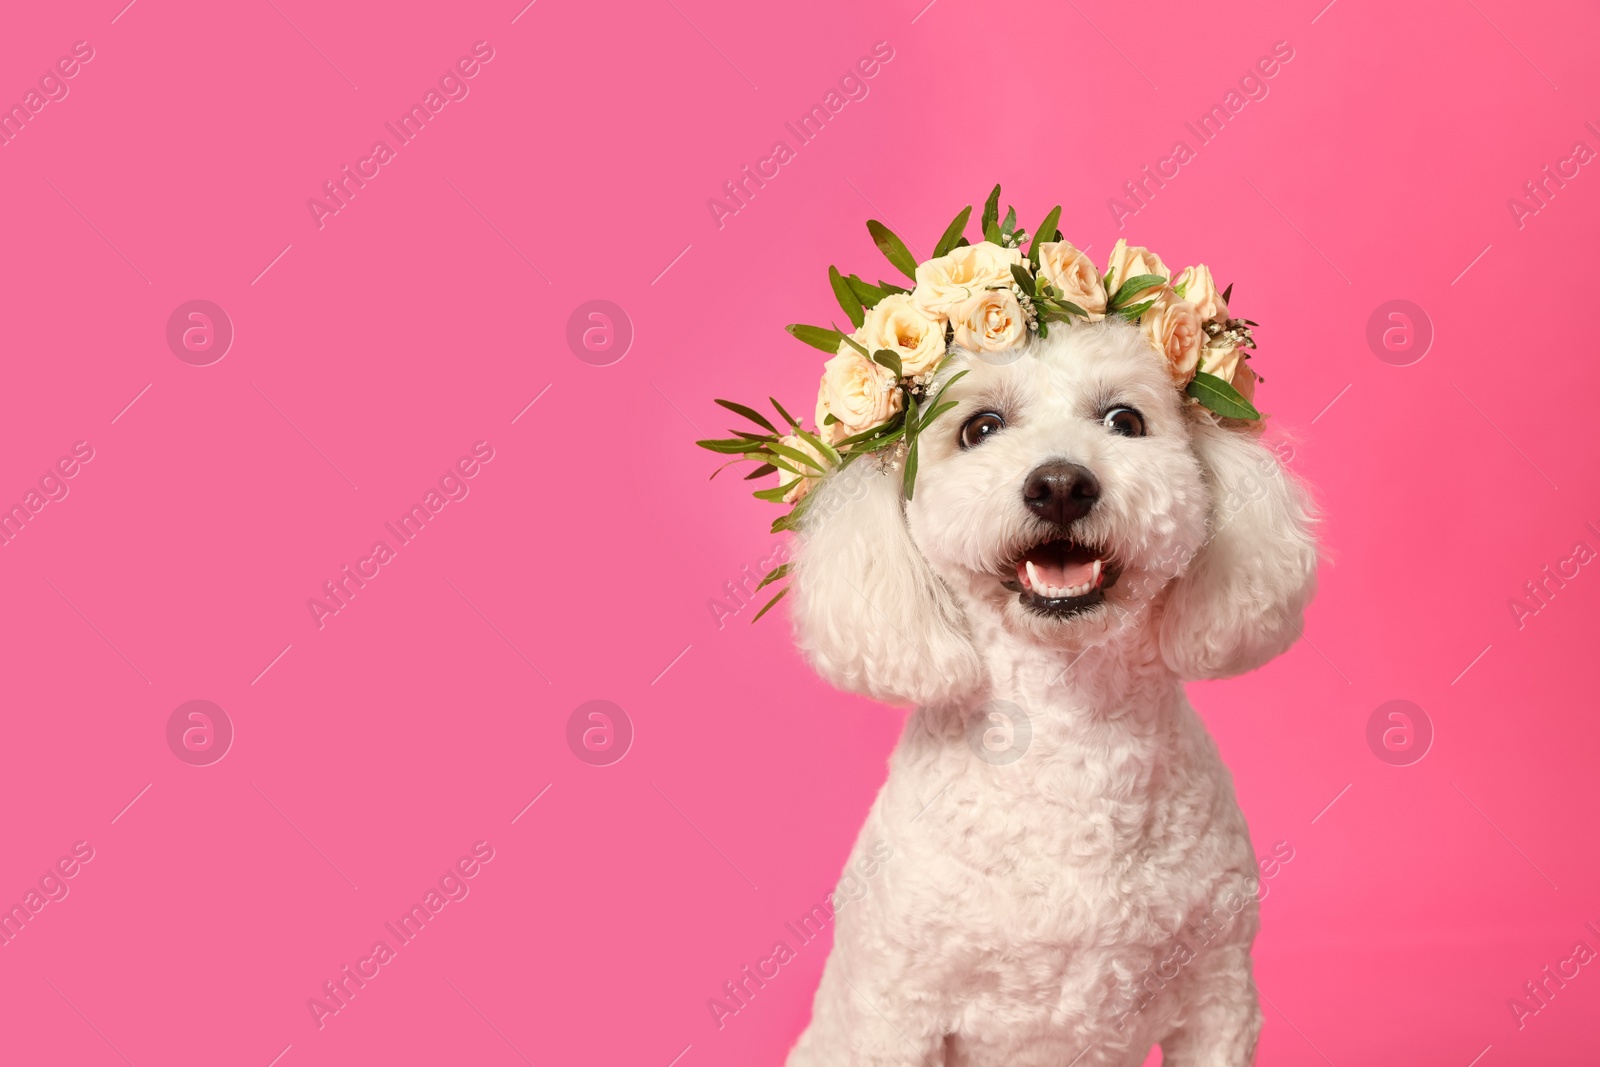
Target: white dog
{"type": "Point", "coordinates": [1072, 879]}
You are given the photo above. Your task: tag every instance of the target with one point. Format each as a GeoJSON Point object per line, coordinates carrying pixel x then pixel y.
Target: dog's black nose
{"type": "Point", "coordinates": [1061, 492]}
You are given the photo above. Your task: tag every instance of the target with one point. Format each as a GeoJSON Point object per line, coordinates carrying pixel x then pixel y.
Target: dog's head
{"type": "Point", "coordinates": [1071, 497]}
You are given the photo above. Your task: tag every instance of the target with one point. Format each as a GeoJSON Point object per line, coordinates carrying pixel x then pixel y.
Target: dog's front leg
{"type": "Point", "coordinates": [1222, 1017]}
{"type": "Point", "coordinates": [862, 1018]}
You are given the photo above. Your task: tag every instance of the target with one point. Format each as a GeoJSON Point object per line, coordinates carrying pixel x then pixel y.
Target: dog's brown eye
{"type": "Point", "coordinates": [1124, 421]}
{"type": "Point", "coordinates": [979, 427]}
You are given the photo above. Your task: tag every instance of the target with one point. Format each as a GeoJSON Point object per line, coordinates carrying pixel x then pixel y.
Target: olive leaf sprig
{"type": "Point", "coordinates": [919, 409]}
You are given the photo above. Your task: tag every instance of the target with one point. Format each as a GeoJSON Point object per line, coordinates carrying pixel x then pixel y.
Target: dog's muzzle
{"type": "Point", "coordinates": [1061, 576]}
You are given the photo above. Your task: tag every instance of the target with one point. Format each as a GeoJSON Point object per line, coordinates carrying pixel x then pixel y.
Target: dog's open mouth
{"type": "Point", "coordinates": [1062, 577]}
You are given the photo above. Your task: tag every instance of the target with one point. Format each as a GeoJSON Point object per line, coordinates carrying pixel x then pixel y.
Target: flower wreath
{"type": "Point", "coordinates": [878, 389]}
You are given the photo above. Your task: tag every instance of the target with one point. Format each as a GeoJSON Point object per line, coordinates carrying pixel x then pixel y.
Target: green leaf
{"type": "Point", "coordinates": [817, 337]}
{"type": "Point", "coordinates": [1132, 313]}
{"type": "Point", "coordinates": [890, 289]}
{"type": "Point", "coordinates": [857, 345]}
{"type": "Point", "coordinates": [991, 211]}
{"type": "Point", "coordinates": [991, 232]}
{"type": "Point", "coordinates": [790, 419]}
{"type": "Point", "coordinates": [934, 413]}
{"type": "Point", "coordinates": [768, 606]}
{"type": "Point", "coordinates": [868, 293]}
{"type": "Point", "coordinates": [1008, 226]}
{"type": "Point", "coordinates": [777, 573]}
{"type": "Point", "coordinates": [733, 447]}
{"type": "Point", "coordinates": [750, 413]}
{"type": "Point", "coordinates": [879, 442]}
{"type": "Point", "coordinates": [819, 444]}
{"type": "Point", "coordinates": [1024, 279]}
{"type": "Point", "coordinates": [1219, 396]}
{"type": "Point", "coordinates": [893, 249]}
{"type": "Point", "coordinates": [760, 472]}
{"type": "Point", "coordinates": [948, 382]}
{"type": "Point", "coordinates": [1133, 287]}
{"type": "Point", "coordinates": [1071, 308]}
{"type": "Point", "coordinates": [952, 233]}
{"type": "Point", "coordinates": [794, 455]}
{"type": "Point", "coordinates": [783, 465]}
{"type": "Point", "coordinates": [878, 434]}
{"type": "Point", "coordinates": [888, 359]}
{"type": "Point", "coordinates": [911, 469]}
{"type": "Point", "coordinates": [774, 495]}
{"type": "Point", "coordinates": [1044, 234]}
{"type": "Point", "coordinates": [847, 298]}
{"type": "Point", "coordinates": [725, 466]}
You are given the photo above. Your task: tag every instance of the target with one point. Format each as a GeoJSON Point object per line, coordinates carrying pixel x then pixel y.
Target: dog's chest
{"type": "Point", "coordinates": [1099, 834]}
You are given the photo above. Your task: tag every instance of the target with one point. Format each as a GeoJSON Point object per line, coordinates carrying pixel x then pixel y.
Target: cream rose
{"type": "Point", "coordinates": [953, 279]}
{"type": "Point", "coordinates": [832, 433]}
{"type": "Point", "coordinates": [798, 485]}
{"type": "Point", "coordinates": [896, 323]}
{"type": "Point", "coordinates": [1245, 380]}
{"type": "Point", "coordinates": [1200, 289]}
{"type": "Point", "coordinates": [991, 321]}
{"type": "Point", "coordinates": [1174, 328]}
{"type": "Point", "coordinates": [1130, 261]}
{"type": "Point", "coordinates": [1229, 364]}
{"type": "Point", "coordinates": [1224, 362]}
{"type": "Point", "coordinates": [857, 392]}
{"type": "Point", "coordinates": [1074, 277]}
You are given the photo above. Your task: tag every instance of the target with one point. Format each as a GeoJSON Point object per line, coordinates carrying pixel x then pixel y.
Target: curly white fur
{"type": "Point", "coordinates": [1096, 895]}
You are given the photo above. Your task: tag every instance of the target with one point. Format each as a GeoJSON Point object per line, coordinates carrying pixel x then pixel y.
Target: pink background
{"type": "Point", "coordinates": [430, 311]}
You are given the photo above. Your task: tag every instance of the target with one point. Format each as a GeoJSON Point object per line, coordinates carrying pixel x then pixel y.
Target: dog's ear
{"type": "Point", "coordinates": [1239, 602]}
{"type": "Point", "coordinates": [869, 612]}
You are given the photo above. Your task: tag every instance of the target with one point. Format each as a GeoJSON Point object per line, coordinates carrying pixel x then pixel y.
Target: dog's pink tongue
{"type": "Point", "coordinates": [1054, 572]}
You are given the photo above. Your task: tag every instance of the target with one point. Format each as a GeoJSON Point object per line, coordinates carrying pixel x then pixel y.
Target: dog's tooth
{"type": "Point", "coordinates": [1094, 578]}
{"type": "Point", "coordinates": [1033, 579]}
